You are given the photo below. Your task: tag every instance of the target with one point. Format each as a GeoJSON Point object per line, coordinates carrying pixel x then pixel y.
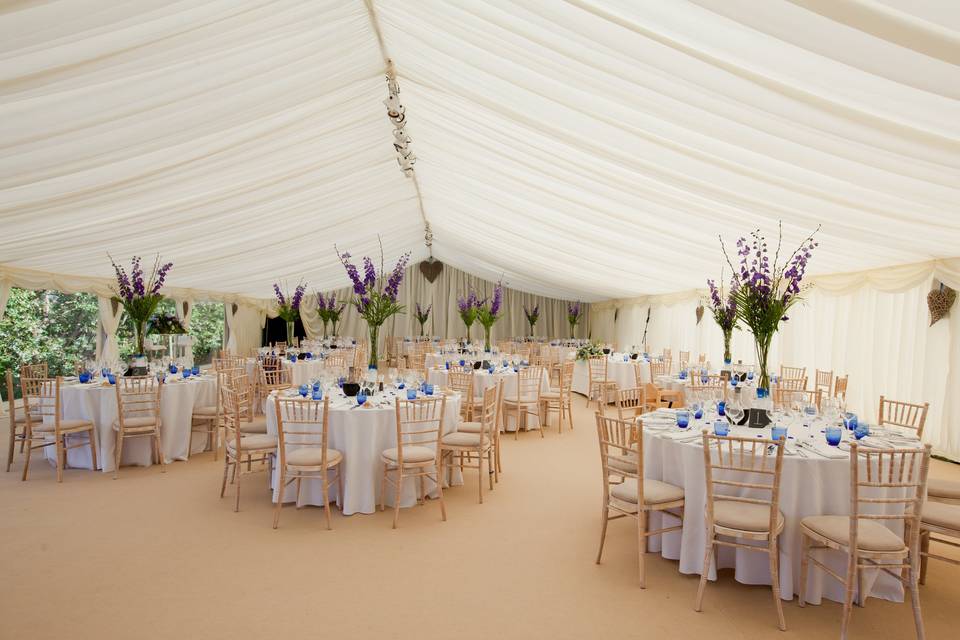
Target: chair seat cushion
{"type": "Point", "coordinates": [208, 410]}
{"type": "Point", "coordinates": [259, 425]}
{"type": "Point", "coordinates": [654, 491]}
{"type": "Point", "coordinates": [871, 535]}
{"type": "Point", "coordinates": [624, 463]}
{"type": "Point", "coordinates": [743, 515]}
{"type": "Point", "coordinates": [140, 422]}
{"type": "Point", "coordinates": [528, 399]}
{"type": "Point", "coordinates": [469, 427]}
{"type": "Point", "coordinates": [312, 457]}
{"type": "Point", "coordinates": [463, 439]}
{"type": "Point", "coordinates": [254, 441]}
{"type": "Point", "coordinates": [65, 425]}
{"type": "Point", "coordinates": [941, 514]}
{"type": "Point", "coordinates": [411, 454]}
{"type": "Point", "coordinates": [940, 488]}
{"type": "Point", "coordinates": [550, 395]}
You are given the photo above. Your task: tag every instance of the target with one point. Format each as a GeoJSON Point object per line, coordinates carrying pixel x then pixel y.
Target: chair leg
{"type": "Point", "coordinates": [61, 455]}
{"type": "Point", "coordinates": [604, 517]}
{"type": "Point", "coordinates": [383, 487]}
{"type": "Point", "coordinates": [160, 457]}
{"type": "Point", "coordinates": [707, 557]}
{"type": "Point", "coordinates": [396, 496]}
{"type": "Point", "coordinates": [924, 548]}
{"type": "Point", "coordinates": [93, 449]}
{"type": "Point", "coordinates": [117, 452]}
{"type": "Point", "coordinates": [279, 502]}
{"type": "Point", "coordinates": [915, 596]}
{"type": "Point", "coordinates": [26, 460]}
{"type": "Point", "coordinates": [642, 546]}
{"type": "Point", "coordinates": [850, 580]}
{"type": "Point", "coordinates": [775, 582]}
{"type": "Point", "coordinates": [226, 468]}
{"type": "Point", "coordinates": [804, 569]}
{"type": "Point", "coordinates": [326, 500]}
{"type": "Point", "coordinates": [13, 438]}
{"type": "Point", "coordinates": [491, 467]}
{"type": "Point", "coordinates": [238, 476]}
{"type": "Point", "coordinates": [479, 477]}
{"type": "Point", "coordinates": [443, 505]}
{"type": "Point", "coordinates": [340, 487]}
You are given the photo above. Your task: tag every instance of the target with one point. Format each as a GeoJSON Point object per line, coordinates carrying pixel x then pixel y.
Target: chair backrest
{"type": "Point", "coordinates": [792, 384]}
{"type": "Point", "coordinates": [419, 423]}
{"type": "Point", "coordinates": [793, 372]}
{"type": "Point", "coordinates": [529, 380]}
{"type": "Point", "coordinates": [714, 388]}
{"type": "Point", "coordinates": [630, 403]}
{"type": "Point", "coordinates": [823, 380]}
{"type": "Point", "coordinates": [138, 397]}
{"type": "Point", "coordinates": [566, 377]}
{"type": "Point", "coordinates": [297, 420]}
{"type": "Point", "coordinates": [41, 400]}
{"type": "Point", "coordinates": [895, 480]}
{"type": "Point", "coordinates": [235, 396]}
{"type": "Point", "coordinates": [903, 414]}
{"type": "Point", "coordinates": [489, 406]}
{"type": "Point", "coordinates": [335, 361]}
{"type": "Point", "coordinates": [728, 459]}
{"type": "Point", "coordinates": [621, 451]}
{"type": "Point", "coordinates": [229, 362]}
{"type": "Point", "coordinates": [702, 358]}
{"type": "Point", "coordinates": [462, 383]}
{"type": "Point", "coordinates": [840, 387]}
{"type": "Point", "coordinates": [37, 370]}
{"type": "Point", "coordinates": [667, 353]}
{"type": "Point", "coordinates": [659, 368]}
{"type": "Point", "coordinates": [275, 378]}
{"type": "Point", "coordinates": [684, 358]}
{"type": "Point", "coordinates": [786, 397]}
{"type": "Point", "coordinates": [597, 369]}
{"type": "Point", "coordinates": [270, 362]}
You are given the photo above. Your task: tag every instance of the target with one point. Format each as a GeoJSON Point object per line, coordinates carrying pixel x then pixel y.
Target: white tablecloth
{"type": "Point", "coordinates": [617, 371]}
{"type": "Point", "coordinates": [99, 404]}
{"type": "Point", "coordinates": [809, 486]}
{"type": "Point", "coordinates": [361, 435]}
{"type": "Point", "coordinates": [483, 380]}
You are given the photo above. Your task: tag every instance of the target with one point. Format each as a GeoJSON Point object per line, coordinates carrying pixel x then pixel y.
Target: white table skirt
{"type": "Point", "coordinates": [809, 486]}
{"type": "Point", "coordinates": [99, 404]}
{"type": "Point", "coordinates": [483, 380]}
{"type": "Point", "coordinates": [361, 435]}
{"type": "Point", "coordinates": [617, 371]}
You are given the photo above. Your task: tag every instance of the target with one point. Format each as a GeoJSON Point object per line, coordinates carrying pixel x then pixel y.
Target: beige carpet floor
{"type": "Point", "coordinates": [156, 555]}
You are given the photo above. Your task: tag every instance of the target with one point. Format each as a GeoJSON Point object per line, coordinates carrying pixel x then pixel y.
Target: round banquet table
{"type": "Point", "coordinates": [617, 371]}
{"type": "Point", "coordinates": [483, 380]}
{"type": "Point", "coordinates": [98, 403]}
{"type": "Point", "coordinates": [812, 485]}
{"type": "Point", "coordinates": [361, 434]}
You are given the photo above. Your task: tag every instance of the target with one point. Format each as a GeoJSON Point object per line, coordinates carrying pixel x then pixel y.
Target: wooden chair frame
{"type": "Point", "coordinates": [138, 397]}
{"type": "Point", "coordinates": [621, 456]}
{"type": "Point", "coordinates": [792, 372]}
{"type": "Point", "coordinates": [462, 382]}
{"type": "Point", "coordinates": [18, 422]}
{"type": "Point", "coordinates": [528, 381]}
{"type": "Point", "coordinates": [45, 392]}
{"type": "Point", "coordinates": [909, 415]}
{"type": "Point", "coordinates": [759, 458]}
{"type": "Point", "coordinates": [597, 379]}
{"type": "Point", "coordinates": [562, 402]}
{"type": "Point", "coordinates": [903, 470]}
{"type": "Point", "coordinates": [235, 454]}
{"type": "Point", "coordinates": [823, 380]}
{"type": "Point", "coordinates": [484, 449]}
{"type": "Point", "coordinates": [292, 416]}
{"type": "Point", "coordinates": [927, 531]}
{"type": "Point", "coordinates": [840, 387]}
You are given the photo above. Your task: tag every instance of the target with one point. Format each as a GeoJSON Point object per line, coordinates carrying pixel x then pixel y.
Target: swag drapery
{"type": "Point", "coordinates": [872, 325]}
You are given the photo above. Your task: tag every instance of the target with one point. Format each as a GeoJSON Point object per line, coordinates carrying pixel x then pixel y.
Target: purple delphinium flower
{"type": "Point", "coordinates": [280, 299]}
{"type": "Point", "coordinates": [392, 289]}
{"type": "Point", "coordinates": [497, 300]}
{"type": "Point", "coordinates": [352, 273]}
{"type": "Point", "coordinates": [298, 296]}
{"type": "Point", "coordinates": [136, 275]}
{"type": "Point", "coordinates": [369, 273]}
{"type": "Point", "coordinates": [161, 277]}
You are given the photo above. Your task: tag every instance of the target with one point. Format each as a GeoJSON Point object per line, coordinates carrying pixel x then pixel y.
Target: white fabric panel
{"type": "Point", "coordinates": [184, 312]}
{"type": "Point", "coordinates": [110, 314]}
{"type": "Point", "coordinates": [5, 287]}
{"type": "Point", "coordinates": [588, 149]}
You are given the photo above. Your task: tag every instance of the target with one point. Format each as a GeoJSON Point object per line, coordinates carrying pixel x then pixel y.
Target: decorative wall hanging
{"type": "Point", "coordinates": [939, 303]}
{"type": "Point", "coordinates": [699, 313]}
{"type": "Point", "coordinates": [397, 114]}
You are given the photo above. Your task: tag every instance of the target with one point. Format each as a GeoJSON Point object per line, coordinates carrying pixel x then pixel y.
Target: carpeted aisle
{"type": "Point", "coordinates": [156, 555]}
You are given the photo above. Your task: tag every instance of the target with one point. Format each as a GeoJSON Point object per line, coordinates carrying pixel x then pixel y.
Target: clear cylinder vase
{"type": "Point", "coordinates": [374, 339]}
{"type": "Point", "coordinates": [486, 338]}
{"type": "Point", "coordinates": [291, 332]}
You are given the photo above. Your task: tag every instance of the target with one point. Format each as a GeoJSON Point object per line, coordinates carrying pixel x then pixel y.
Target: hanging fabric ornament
{"type": "Point", "coordinates": [939, 303]}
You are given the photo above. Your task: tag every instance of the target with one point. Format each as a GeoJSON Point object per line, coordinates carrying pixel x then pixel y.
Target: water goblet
{"type": "Point", "coordinates": [683, 418]}
{"type": "Point", "coordinates": [778, 432]}
{"type": "Point", "coordinates": [850, 421]}
{"type": "Point", "coordinates": [861, 430]}
{"type": "Point", "coordinates": [834, 435]}
{"type": "Point", "coordinates": [303, 390]}
{"type": "Point", "coordinates": [721, 427]}
{"type": "Point", "coordinates": [361, 398]}
{"type": "Point", "coordinates": [111, 378]}
{"type": "Point", "coordinates": [411, 394]}
{"type": "Point", "coordinates": [317, 394]}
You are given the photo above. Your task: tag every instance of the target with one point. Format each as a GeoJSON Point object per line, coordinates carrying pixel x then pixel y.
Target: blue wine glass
{"type": "Point", "coordinates": [195, 371]}
{"type": "Point", "coordinates": [303, 390]}
{"type": "Point", "coordinates": [834, 435]}
{"type": "Point", "coordinates": [850, 421]}
{"type": "Point", "coordinates": [317, 394]}
{"type": "Point", "coordinates": [361, 398]}
{"type": "Point", "coordinates": [721, 427]}
{"type": "Point", "coordinates": [173, 368]}
{"type": "Point", "coordinates": [721, 408]}
{"type": "Point", "coordinates": [186, 373]}
{"type": "Point", "coordinates": [428, 389]}
{"type": "Point", "coordinates": [778, 432]}
{"type": "Point", "coordinates": [683, 418]}
{"type": "Point", "coordinates": [411, 394]}
{"type": "Point", "coordinates": [861, 430]}
{"type": "Point", "coordinates": [112, 378]}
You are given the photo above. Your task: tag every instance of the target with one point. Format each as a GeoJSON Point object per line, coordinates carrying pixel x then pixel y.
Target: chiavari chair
{"type": "Point", "coordinates": [784, 398]}
{"type": "Point", "coordinates": [479, 443]}
{"type": "Point", "coordinates": [630, 404]}
{"type": "Point", "coordinates": [18, 422]}
{"type": "Point", "coordinates": [943, 490]}
{"type": "Point", "coordinates": [943, 520]}
{"type": "Point", "coordinates": [668, 396]}
{"type": "Point", "coordinates": [702, 359]}
{"type": "Point", "coordinates": [758, 520]}
{"type": "Point", "coordinates": [229, 362]}
{"type": "Point", "coordinates": [280, 347]}
{"type": "Point", "coordinates": [526, 401]}
{"type": "Point", "coordinates": [305, 453]}
{"type": "Point", "coordinates": [418, 454]}
{"type": "Point", "coordinates": [823, 380]}
{"type": "Point", "coordinates": [598, 387]}
{"type": "Point", "coordinates": [560, 400]}
{"type": "Point", "coordinates": [462, 382]}
{"type": "Point", "coordinates": [138, 416]}
{"type": "Point", "coordinates": [840, 387]}
{"type": "Point", "coordinates": [240, 447]}
{"type": "Point", "coordinates": [903, 414]}
{"type": "Point", "coordinates": [36, 370]}
{"type": "Point", "coordinates": [667, 354]}
{"type": "Point", "coordinates": [684, 359]}
{"type": "Point", "coordinates": [792, 384]}
{"type": "Point", "coordinates": [885, 484]}
{"type": "Point", "coordinates": [631, 495]}
{"type": "Point", "coordinates": [793, 372]}
{"type": "Point", "coordinates": [41, 405]}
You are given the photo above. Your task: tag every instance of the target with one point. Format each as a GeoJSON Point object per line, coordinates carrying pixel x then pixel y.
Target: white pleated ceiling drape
{"type": "Point", "coordinates": [587, 149]}
{"type": "Point", "coordinates": [110, 314]}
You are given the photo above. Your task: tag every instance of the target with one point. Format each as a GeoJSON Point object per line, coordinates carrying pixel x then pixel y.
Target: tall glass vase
{"type": "Point", "coordinates": [486, 338]}
{"type": "Point", "coordinates": [140, 329]}
{"type": "Point", "coordinates": [374, 337]}
{"type": "Point", "coordinates": [762, 342]}
{"type": "Point", "coordinates": [291, 332]}
{"type": "Point", "coordinates": [573, 331]}
{"type": "Point", "coordinates": [727, 356]}
{"type": "Point", "coordinates": [468, 332]}
{"type": "Point", "coordinates": [531, 329]}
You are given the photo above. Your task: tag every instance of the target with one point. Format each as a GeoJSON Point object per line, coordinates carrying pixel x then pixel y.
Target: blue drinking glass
{"type": "Point", "coordinates": [749, 375]}
{"type": "Point", "coordinates": [778, 432]}
{"type": "Point", "coordinates": [683, 418]}
{"type": "Point", "coordinates": [186, 373]}
{"type": "Point", "coordinates": [361, 398]}
{"type": "Point", "coordinates": [463, 362]}
{"type": "Point", "coordinates": [626, 358]}
{"type": "Point", "coordinates": [447, 365]}
{"type": "Point", "coordinates": [721, 408]}
{"type": "Point", "coordinates": [861, 430]}
{"type": "Point", "coordinates": [428, 389]}
{"type": "Point", "coordinates": [293, 357]}
{"type": "Point", "coordinates": [850, 421]}
{"type": "Point", "coordinates": [112, 378]}
{"type": "Point", "coordinates": [683, 374]}
{"type": "Point", "coordinates": [173, 368]}
{"type": "Point", "coordinates": [195, 371]}
{"type": "Point", "coordinates": [303, 390]}
{"type": "Point", "coordinates": [704, 378]}
{"type": "Point", "coordinates": [698, 414]}
{"type": "Point", "coordinates": [340, 381]}
{"type": "Point", "coordinates": [733, 381]}
{"type": "Point", "coordinates": [316, 386]}
{"type": "Point", "coordinates": [721, 427]}
{"type": "Point", "coordinates": [84, 377]}
{"type": "Point", "coordinates": [490, 370]}
{"type": "Point", "coordinates": [317, 394]}
{"type": "Point", "coordinates": [411, 394]}
{"type": "Point", "coordinates": [834, 435]}
{"type": "Point", "coordinates": [401, 385]}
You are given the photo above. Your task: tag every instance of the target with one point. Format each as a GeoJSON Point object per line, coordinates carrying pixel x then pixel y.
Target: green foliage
{"type": "Point", "coordinates": [206, 327]}
{"type": "Point", "coordinates": [589, 350]}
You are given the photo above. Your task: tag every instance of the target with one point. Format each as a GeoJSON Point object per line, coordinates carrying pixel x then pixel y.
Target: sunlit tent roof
{"type": "Point", "coordinates": [584, 149]}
